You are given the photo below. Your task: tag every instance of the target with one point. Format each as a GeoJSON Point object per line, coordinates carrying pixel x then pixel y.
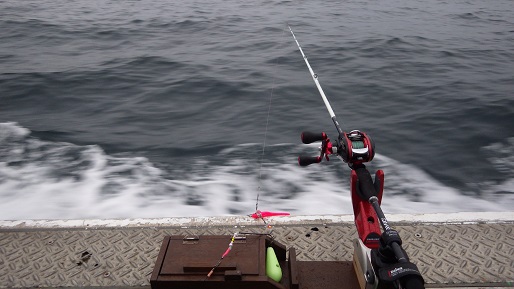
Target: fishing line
{"type": "Point", "coordinates": [275, 68]}
{"type": "Point", "coordinates": [257, 214]}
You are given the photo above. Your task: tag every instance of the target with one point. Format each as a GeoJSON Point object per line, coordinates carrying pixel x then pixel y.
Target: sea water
{"type": "Point", "coordinates": [121, 109]}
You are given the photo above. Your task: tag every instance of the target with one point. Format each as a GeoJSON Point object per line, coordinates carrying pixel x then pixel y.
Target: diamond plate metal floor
{"type": "Point", "coordinates": [448, 254]}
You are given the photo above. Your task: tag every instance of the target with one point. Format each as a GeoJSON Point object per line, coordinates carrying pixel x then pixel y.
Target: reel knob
{"type": "Point", "coordinates": [310, 137]}
{"type": "Point", "coordinates": [325, 150]}
{"type": "Point", "coordinates": [307, 160]}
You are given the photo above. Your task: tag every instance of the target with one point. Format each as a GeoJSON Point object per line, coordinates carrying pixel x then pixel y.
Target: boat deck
{"type": "Point", "coordinates": [451, 250]}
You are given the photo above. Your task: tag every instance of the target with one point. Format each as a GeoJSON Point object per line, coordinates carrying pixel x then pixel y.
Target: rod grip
{"type": "Point", "coordinates": [413, 282]}
{"type": "Point", "coordinates": [310, 137]}
{"type": "Point", "coordinates": [366, 186]}
{"type": "Point", "coordinates": [306, 160]}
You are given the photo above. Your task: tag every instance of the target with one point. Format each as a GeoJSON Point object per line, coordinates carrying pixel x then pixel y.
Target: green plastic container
{"type": "Point", "coordinates": [273, 269]}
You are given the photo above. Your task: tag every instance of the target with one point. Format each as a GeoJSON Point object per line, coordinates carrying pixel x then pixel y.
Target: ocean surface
{"type": "Point", "coordinates": [125, 109]}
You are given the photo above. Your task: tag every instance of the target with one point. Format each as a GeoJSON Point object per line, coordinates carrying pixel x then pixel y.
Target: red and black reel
{"type": "Point", "coordinates": [356, 147]}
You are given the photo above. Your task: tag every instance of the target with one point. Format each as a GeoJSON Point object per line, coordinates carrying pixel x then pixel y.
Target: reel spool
{"type": "Point", "coordinates": [356, 147]}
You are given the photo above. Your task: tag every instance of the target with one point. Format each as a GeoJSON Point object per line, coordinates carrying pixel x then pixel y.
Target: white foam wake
{"type": "Point", "coordinates": [55, 180]}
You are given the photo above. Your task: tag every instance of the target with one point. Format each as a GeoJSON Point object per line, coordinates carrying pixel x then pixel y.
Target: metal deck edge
{"type": "Point", "coordinates": [184, 222]}
{"type": "Point", "coordinates": [452, 250]}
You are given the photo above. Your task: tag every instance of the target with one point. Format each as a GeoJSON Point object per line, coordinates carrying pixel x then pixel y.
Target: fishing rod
{"type": "Point", "coordinates": [315, 78]}
{"type": "Point", "coordinates": [388, 261]}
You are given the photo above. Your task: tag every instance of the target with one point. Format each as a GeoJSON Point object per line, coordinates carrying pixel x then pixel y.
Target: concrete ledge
{"type": "Point", "coordinates": [446, 218]}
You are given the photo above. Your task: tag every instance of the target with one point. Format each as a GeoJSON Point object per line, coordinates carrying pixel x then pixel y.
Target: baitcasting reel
{"type": "Point", "coordinates": [354, 147]}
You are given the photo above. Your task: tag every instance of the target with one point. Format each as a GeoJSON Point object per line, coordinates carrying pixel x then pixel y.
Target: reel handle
{"type": "Point", "coordinates": [307, 160]}
{"type": "Point", "coordinates": [326, 147]}
{"type": "Point", "coordinates": [310, 137]}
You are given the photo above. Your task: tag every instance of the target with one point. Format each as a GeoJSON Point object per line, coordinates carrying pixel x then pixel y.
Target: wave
{"type": "Point", "coordinates": [42, 179]}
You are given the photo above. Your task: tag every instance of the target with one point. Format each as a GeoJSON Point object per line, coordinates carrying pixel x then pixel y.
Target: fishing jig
{"type": "Point", "coordinates": [223, 256]}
